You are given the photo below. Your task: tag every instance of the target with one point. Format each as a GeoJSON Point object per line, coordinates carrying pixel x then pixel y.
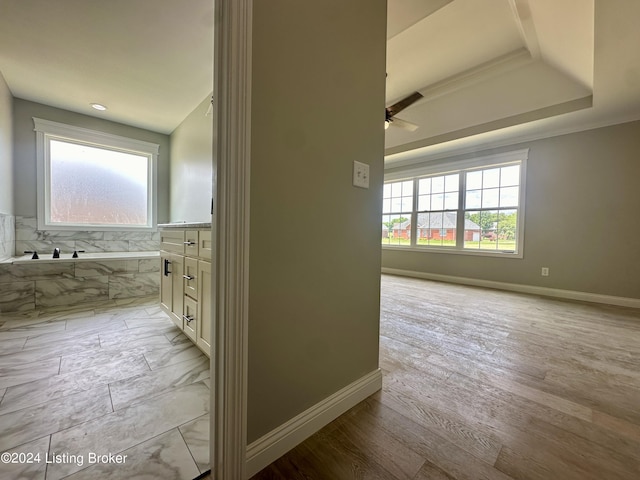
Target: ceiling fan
{"type": "Point", "coordinates": [393, 110]}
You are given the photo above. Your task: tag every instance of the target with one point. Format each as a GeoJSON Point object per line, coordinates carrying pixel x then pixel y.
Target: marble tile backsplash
{"type": "Point", "coordinates": [7, 235]}
{"type": "Point", "coordinates": [28, 237]}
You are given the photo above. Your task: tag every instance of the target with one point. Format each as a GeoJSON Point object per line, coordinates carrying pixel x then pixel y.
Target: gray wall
{"type": "Point", "coordinates": [581, 213]}
{"type": "Point", "coordinates": [317, 105]}
{"type": "Point", "coordinates": [7, 219]}
{"type": "Point", "coordinates": [25, 151]}
{"type": "Point", "coordinates": [191, 167]}
{"type": "Point", "coordinates": [6, 149]}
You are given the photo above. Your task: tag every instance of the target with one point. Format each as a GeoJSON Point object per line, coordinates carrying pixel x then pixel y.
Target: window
{"type": "Point", "coordinates": [471, 206]}
{"type": "Point", "coordinates": [90, 180]}
{"type": "Point", "coordinates": [396, 218]}
{"type": "Point", "coordinates": [491, 208]}
{"type": "Point", "coordinates": [438, 210]}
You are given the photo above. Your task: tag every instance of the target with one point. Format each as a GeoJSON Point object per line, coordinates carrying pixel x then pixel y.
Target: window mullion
{"type": "Point", "coordinates": [414, 214]}
{"type": "Point", "coordinates": [461, 209]}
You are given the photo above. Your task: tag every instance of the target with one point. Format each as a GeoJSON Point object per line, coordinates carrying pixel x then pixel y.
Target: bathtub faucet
{"type": "Point", "coordinates": [56, 252]}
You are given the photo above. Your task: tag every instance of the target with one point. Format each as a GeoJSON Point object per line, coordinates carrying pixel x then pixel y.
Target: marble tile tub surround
{"type": "Point", "coordinates": [28, 237]}
{"type": "Point", "coordinates": [119, 380]}
{"type": "Point", "coordinates": [45, 284]}
{"type": "Point", "coordinates": [29, 286]}
{"type": "Point", "coordinates": [7, 235]}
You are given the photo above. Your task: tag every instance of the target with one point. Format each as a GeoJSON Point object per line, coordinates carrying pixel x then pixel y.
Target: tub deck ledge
{"type": "Point", "coordinates": [82, 257]}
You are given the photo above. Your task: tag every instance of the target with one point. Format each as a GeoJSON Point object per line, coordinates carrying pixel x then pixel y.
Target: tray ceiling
{"type": "Point", "coordinates": [488, 65]}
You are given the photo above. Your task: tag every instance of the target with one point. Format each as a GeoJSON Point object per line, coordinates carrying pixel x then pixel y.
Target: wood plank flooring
{"type": "Point", "coordinates": [485, 384]}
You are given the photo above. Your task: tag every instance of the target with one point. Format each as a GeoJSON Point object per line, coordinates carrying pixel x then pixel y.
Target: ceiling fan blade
{"type": "Point", "coordinates": [398, 122]}
{"type": "Point", "coordinates": [404, 103]}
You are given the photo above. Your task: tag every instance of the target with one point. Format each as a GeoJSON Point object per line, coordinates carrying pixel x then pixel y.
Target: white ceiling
{"type": "Point", "coordinates": [149, 61]}
{"type": "Point", "coordinates": [487, 69]}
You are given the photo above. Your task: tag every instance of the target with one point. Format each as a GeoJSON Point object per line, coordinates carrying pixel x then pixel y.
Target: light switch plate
{"type": "Point", "coordinates": [360, 175]}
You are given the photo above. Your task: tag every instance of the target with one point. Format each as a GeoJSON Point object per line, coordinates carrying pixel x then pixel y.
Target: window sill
{"type": "Point", "coordinates": [449, 251]}
{"type": "Point", "coordinates": [95, 228]}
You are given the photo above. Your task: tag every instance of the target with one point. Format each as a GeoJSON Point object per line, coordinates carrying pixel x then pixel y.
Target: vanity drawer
{"type": "Point", "coordinates": [172, 241]}
{"type": "Point", "coordinates": [191, 243]}
{"type": "Point", "coordinates": [205, 246]}
{"type": "Point", "coordinates": [190, 318]}
{"type": "Point", "coordinates": [190, 277]}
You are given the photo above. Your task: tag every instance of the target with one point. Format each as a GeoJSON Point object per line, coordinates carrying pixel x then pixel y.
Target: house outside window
{"type": "Point", "coordinates": [469, 206]}
{"type": "Point", "coordinates": [437, 209]}
{"type": "Point", "coordinates": [396, 218]}
{"type": "Point", "coordinates": [89, 180]}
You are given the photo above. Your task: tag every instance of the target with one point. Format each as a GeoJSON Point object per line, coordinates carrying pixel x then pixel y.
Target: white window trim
{"type": "Point", "coordinates": [46, 130]}
{"type": "Point", "coordinates": [447, 167]}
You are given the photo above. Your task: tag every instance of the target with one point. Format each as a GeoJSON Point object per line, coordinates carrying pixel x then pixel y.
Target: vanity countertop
{"type": "Point", "coordinates": [186, 225]}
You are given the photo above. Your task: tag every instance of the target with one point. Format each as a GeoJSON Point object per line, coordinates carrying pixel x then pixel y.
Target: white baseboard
{"type": "Point", "coordinates": [516, 287]}
{"type": "Point", "coordinates": [279, 441]}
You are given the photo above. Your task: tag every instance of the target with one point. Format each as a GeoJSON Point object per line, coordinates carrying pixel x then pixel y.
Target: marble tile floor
{"type": "Point", "coordinates": [113, 392]}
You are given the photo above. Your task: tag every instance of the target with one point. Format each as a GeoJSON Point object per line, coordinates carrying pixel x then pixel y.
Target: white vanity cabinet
{"type": "Point", "coordinates": [185, 283]}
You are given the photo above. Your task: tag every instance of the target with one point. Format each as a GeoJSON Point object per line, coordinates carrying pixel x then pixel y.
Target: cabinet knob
{"type": "Point", "coordinates": [188, 277]}
{"type": "Point", "coordinates": [189, 242]}
{"type": "Point", "coordinates": [187, 318]}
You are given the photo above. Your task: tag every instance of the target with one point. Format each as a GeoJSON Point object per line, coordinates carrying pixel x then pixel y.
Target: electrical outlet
{"type": "Point", "coordinates": [545, 271]}
{"type": "Point", "coordinates": [360, 175]}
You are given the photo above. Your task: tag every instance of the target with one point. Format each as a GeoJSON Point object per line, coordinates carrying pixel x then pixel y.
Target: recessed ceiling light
{"type": "Point", "coordinates": [98, 106]}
